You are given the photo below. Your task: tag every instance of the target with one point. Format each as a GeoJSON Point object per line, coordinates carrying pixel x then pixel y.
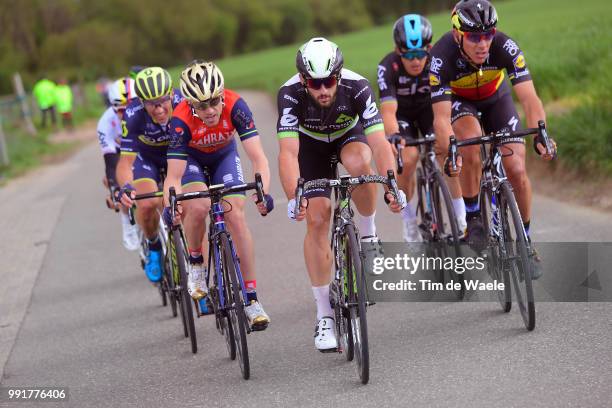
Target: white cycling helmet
{"type": "Point", "coordinates": [121, 92]}
{"type": "Point", "coordinates": [319, 58]}
{"type": "Point", "coordinates": [201, 81]}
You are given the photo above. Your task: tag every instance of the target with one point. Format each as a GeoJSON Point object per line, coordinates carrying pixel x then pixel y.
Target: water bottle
{"type": "Point", "coordinates": [203, 305]}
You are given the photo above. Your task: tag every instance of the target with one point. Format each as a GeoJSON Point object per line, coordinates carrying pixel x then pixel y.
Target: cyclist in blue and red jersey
{"type": "Point", "coordinates": [203, 128]}
{"type": "Point", "coordinates": [467, 77]}
{"type": "Point", "coordinates": [144, 145]}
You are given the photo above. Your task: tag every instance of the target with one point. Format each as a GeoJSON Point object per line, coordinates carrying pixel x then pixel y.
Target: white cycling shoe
{"type": "Point", "coordinates": [257, 316]}
{"type": "Point", "coordinates": [411, 231]}
{"type": "Point", "coordinates": [131, 238]}
{"type": "Point", "coordinates": [196, 282]}
{"type": "Point", "coordinates": [325, 335]}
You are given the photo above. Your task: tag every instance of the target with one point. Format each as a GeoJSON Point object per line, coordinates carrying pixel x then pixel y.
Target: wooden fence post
{"type": "Point", "coordinates": [25, 109]}
{"type": "Point", "coordinates": [4, 158]}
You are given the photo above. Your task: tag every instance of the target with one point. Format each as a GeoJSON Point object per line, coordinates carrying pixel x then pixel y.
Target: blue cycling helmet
{"type": "Point", "coordinates": [412, 31]}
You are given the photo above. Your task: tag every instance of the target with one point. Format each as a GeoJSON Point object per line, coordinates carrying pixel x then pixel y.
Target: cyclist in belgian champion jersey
{"type": "Point", "coordinates": [467, 77]}
{"type": "Point", "coordinates": [203, 127]}
{"type": "Point", "coordinates": [143, 155]}
{"type": "Point", "coordinates": [323, 111]}
{"type": "Point", "coordinates": [403, 85]}
{"type": "Point", "coordinates": [109, 136]}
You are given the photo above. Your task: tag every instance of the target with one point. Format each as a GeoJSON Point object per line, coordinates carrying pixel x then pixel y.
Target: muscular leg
{"type": "Point", "coordinates": [147, 215]}
{"type": "Point", "coordinates": [464, 128]}
{"type": "Point", "coordinates": [406, 180]}
{"type": "Point", "coordinates": [241, 236]}
{"type": "Point", "coordinates": [517, 175]}
{"type": "Point", "coordinates": [356, 158]}
{"type": "Point", "coordinates": [194, 216]}
{"type": "Point", "coordinates": [317, 252]}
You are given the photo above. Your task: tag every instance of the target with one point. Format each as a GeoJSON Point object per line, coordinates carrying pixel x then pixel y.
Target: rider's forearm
{"type": "Point", "coordinates": [176, 168]}
{"type": "Point", "coordinates": [124, 170]}
{"type": "Point", "coordinates": [110, 167]}
{"type": "Point", "coordinates": [289, 171]}
{"type": "Point", "coordinates": [383, 154]}
{"type": "Point", "coordinates": [388, 112]}
{"type": "Point", "coordinates": [534, 111]}
{"type": "Point", "coordinates": [254, 150]}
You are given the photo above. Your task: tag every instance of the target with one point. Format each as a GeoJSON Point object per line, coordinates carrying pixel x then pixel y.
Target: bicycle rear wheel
{"type": "Point", "coordinates": [447, 227]}
{"type": "Point", "coordinates": [517, 250]}
{"type": "Point", "coordinates": [357, 304]}
{"type": "Point", "coordinates": [496, 268]}
{"type": "Point", "coordinates": [237, 315]}
{"type": "Point", "coordinates": [184, 297]}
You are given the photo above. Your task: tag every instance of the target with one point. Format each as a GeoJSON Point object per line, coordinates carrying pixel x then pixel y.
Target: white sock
{"type": "Point", "coordinates": [321, 295]}
{"type": "Point", "coordinates": [409, 212]}
{"type": "Point", "coordinates": [125, 220]}
{"type": "Point", "coordinates": [459, 208]}
{"type": "Point", "coordinates": [366, 224]}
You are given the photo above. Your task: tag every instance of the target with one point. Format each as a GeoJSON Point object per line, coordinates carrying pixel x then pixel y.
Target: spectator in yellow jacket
{"type": "Point", "coordinates": [63, 101]}
{"type": "Point", "coordinates": [44, 93]}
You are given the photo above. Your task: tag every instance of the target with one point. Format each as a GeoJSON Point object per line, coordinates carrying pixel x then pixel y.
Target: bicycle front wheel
{"type": "Point", "coordinates": [184, 297]}
{"type": "Point", "coordinates": [495, 265]}
{"type": "Point", "coordinates": [517, 251]}
{"type": "Point", "coordinates": [357, 304]}
{"type": "Point", "coordinates": [237, 315]}
{"type": "Point", "coordinates": [447, 227]}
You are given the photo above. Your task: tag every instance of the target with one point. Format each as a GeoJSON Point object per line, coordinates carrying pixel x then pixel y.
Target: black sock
{"type": "Point", "coordinates": [526, 226]}
{"type": "Point", "coordinates": [154, 244]}
{"type": "Point", "coordinates": [194, 260]}
{"type": "Point", "coordinates": [472, 207]}
{"type": "Point", "coordinates": [251, 296]}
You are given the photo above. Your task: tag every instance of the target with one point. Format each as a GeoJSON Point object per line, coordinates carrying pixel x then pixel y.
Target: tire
{"type": "Point", "coordinates": [496, 268]}
{"type": "Point", "coordinates": [517, 249]}
{"type": "Point", "coordinates": [185, 298]}
{"type": "Point", "coordinates": [447, 227]}
{"type": "Point", "coordinates": [357, 309]}
{"type": "Point", "coordinates": [425, 224]}
{"type": "Point", "coordinates": [237, 315]}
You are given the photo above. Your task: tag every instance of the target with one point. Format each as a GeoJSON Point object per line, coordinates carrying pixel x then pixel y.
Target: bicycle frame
{"type": "Point", "coordinates": [217, 227]}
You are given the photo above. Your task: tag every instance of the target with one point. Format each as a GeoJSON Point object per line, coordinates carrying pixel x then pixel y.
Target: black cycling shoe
{"type": "Point", "coordinates": [476, 234]}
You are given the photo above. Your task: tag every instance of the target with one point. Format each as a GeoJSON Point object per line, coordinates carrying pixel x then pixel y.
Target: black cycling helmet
{"type": "Point", "coordinates": [474, 16]}
{"type": "Point", "coordinates": [412, 31]}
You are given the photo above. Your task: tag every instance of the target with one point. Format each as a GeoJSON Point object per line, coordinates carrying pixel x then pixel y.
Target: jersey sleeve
{"type": "Point", "coordinates": [512, 58]}
{"type": "Point", "coordinates": [180, 135]}
{"type": "Point", "coordinates": [365, 105]}
{"type": "Point", "coordinates": [439, 75]}
{"type": "Point", "coordinates": [288, 122]}
{"type": "Point", "coordinates": [132, 125]}
{"type": "Point", "coordinates": [242, 119]}
{"type": "Point", "coordinates": [106, 136]}
{"type": "Point", "coordinates": [386, 82]}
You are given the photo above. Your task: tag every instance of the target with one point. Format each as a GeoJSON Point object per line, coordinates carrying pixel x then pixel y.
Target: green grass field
{"type": "Point", "coordinates": [566, 44]}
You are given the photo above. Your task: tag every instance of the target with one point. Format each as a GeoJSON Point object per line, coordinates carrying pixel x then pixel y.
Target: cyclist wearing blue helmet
{"type": "Point", "coordinates": [403, 84]}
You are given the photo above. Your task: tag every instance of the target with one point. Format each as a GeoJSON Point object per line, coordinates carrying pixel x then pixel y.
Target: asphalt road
{"type": "Point", "coordinates": [76, 311]}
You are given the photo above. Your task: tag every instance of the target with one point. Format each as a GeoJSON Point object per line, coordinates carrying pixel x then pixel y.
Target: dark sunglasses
{"type": "Point", "coordinates": [414, 54]}
{"type": "Point", "coordinates": [212, 102]}
{"type": "Point", "coordinates": [158, 101]}
{"type": "Point", "coordinates": [478, 37]}
{"type": "Point", "coordinates": [316, 83]}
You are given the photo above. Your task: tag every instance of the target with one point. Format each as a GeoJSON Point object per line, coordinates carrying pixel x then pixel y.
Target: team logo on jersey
{"type": "Point", "coordinates": [288, 120]}
{"type": "Point", "coordinates": [434, 80]}
{"type": "Point", "coordinates": [371, 110]}
{"type": "Point", "coordinates": [179, 130]}
{"type": "Point", "coordinates": [519, 61]}
{"type": "Point", "coordinates": [343, 118]}
{"type": "Point", "coordinates": [395, 66]}
{"type": "Point", "coordinates": [436, 64]}
{"type": "Point", "coordinates": [511, 47]}
{"type": "Point", "coordinates": [461, 63]}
